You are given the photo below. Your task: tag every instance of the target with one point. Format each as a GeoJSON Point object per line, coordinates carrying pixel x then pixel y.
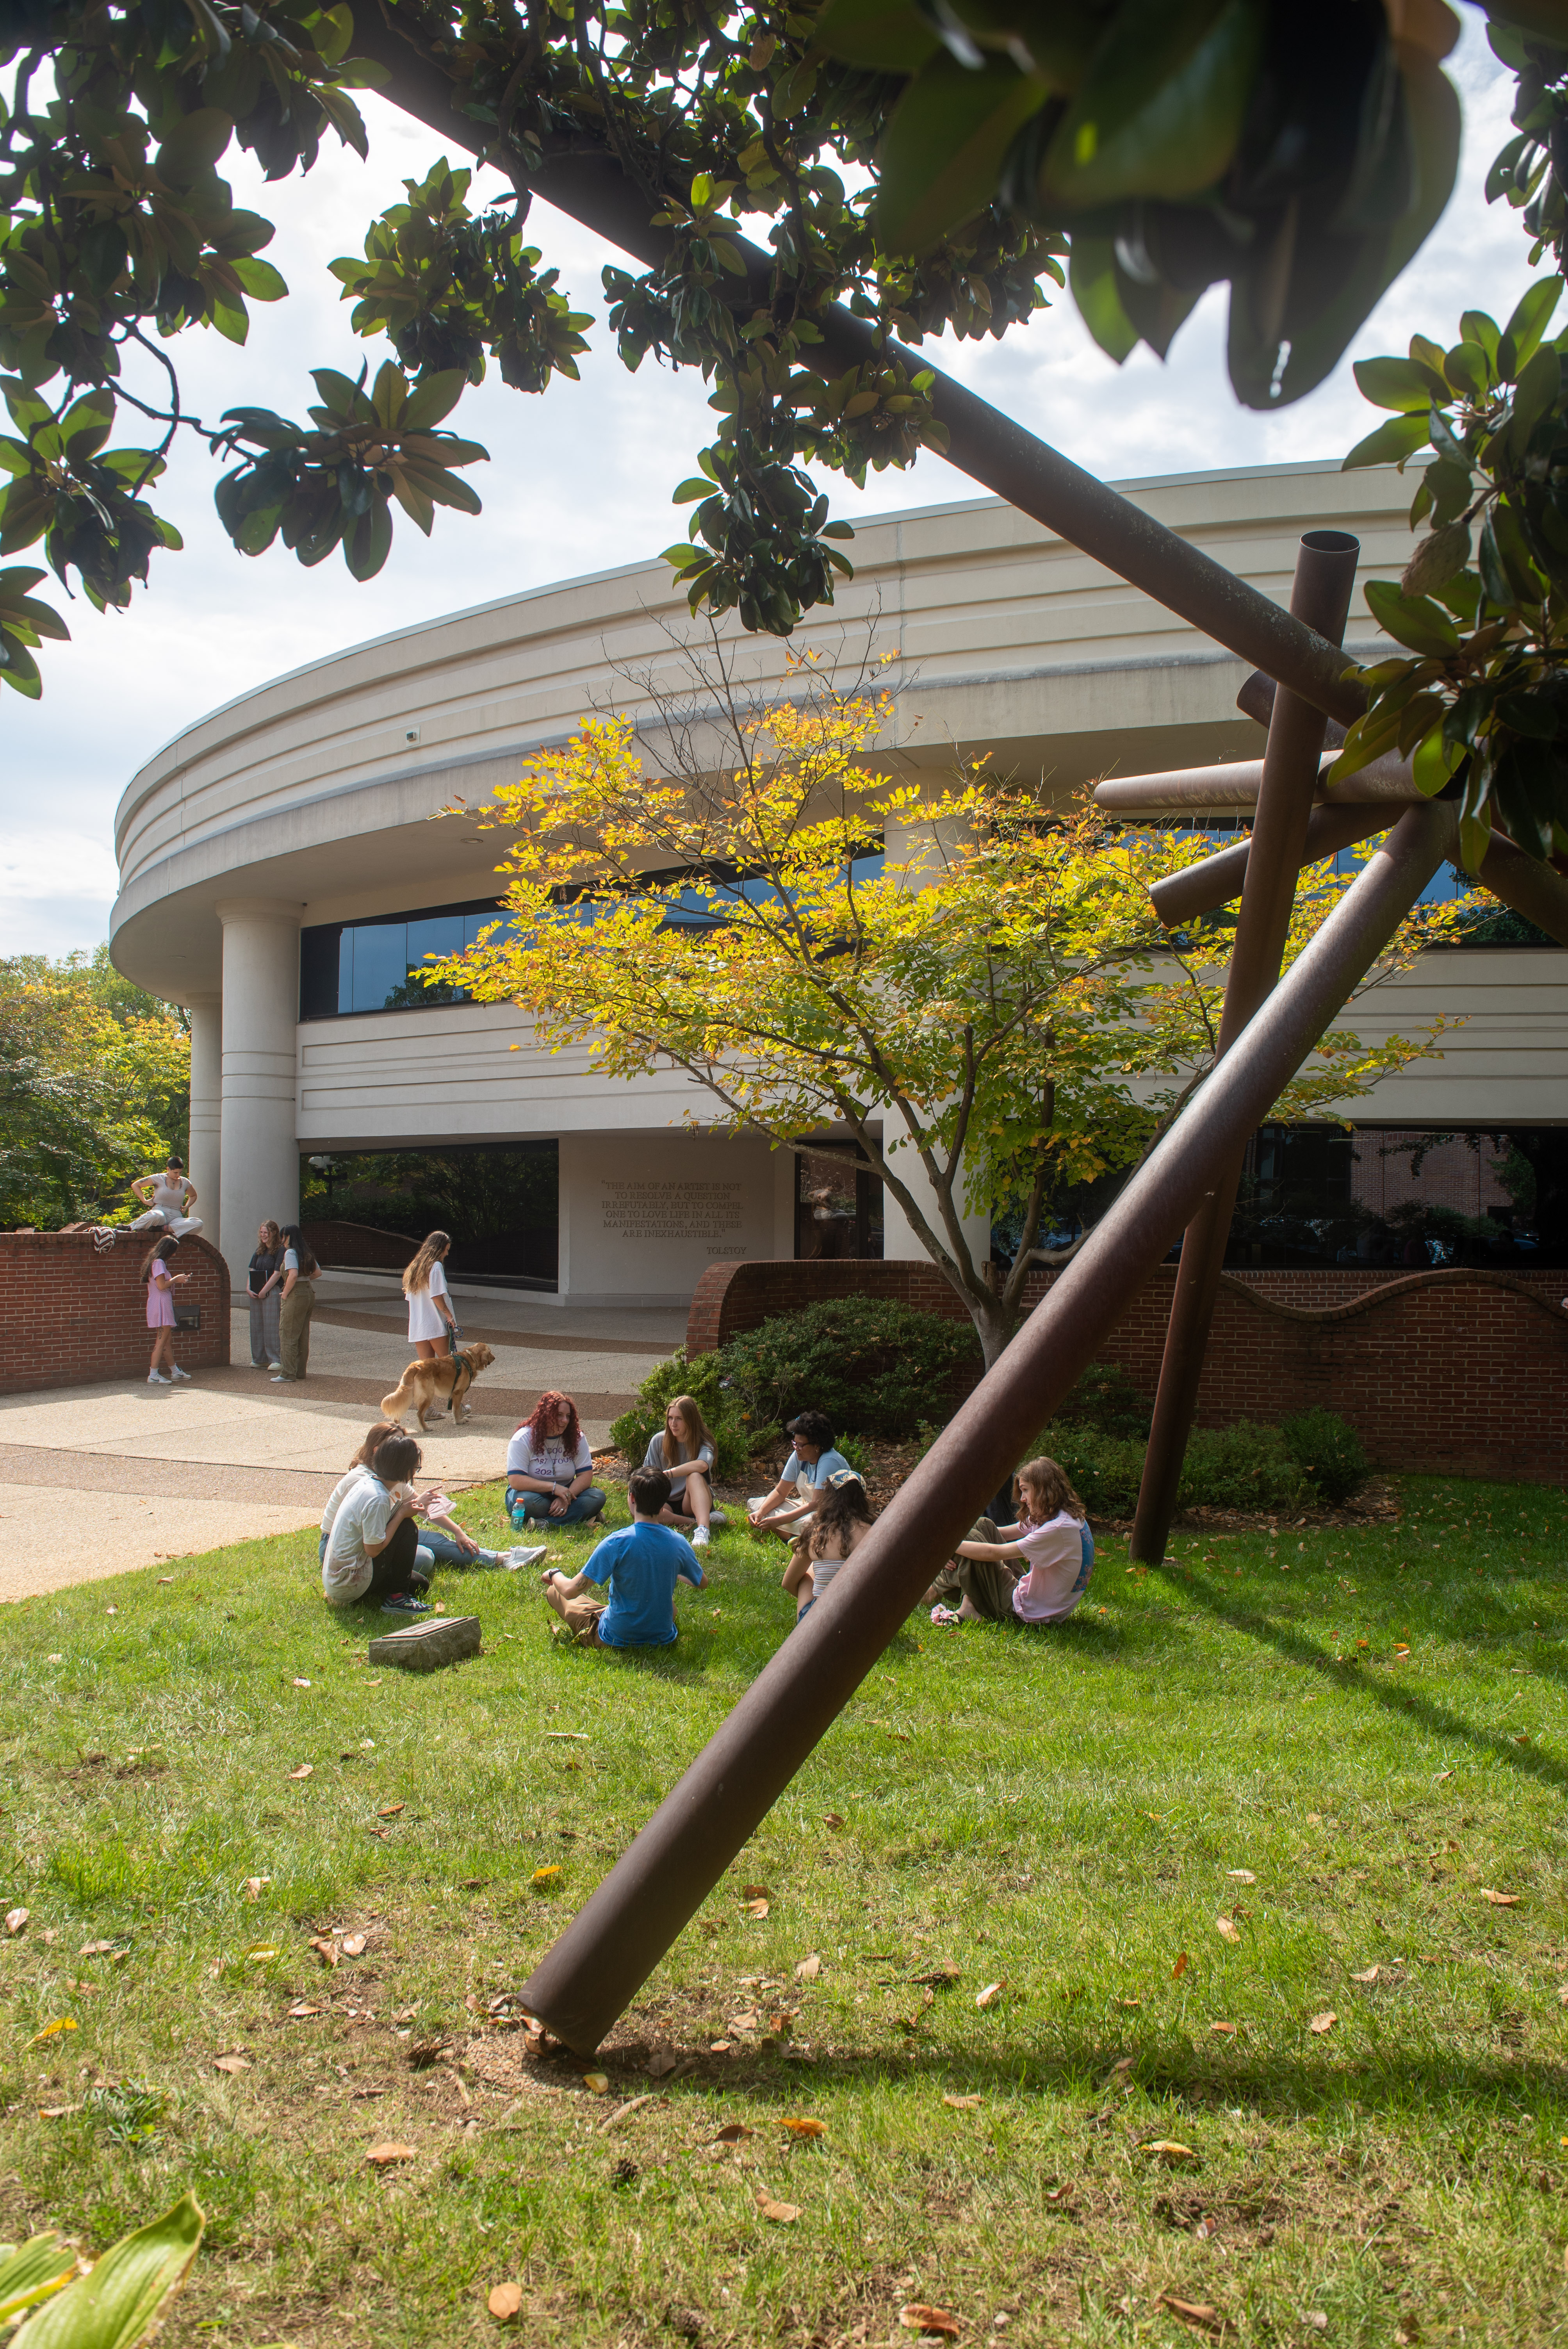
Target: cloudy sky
{"type": "Point", "coordinates": [579, 480]}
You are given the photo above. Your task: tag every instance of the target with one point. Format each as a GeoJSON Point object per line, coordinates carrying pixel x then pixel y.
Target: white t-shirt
{"type": "Point", "coordinates": [1056, 1575]}
{"type": "Point", "coordinates": [551, 1461]}
{"type": "Point", "coordinates": [424, 1318]}
{"type": "Point", "coordinates": [339, 1493]}
{"type": "Point", "coordinates": [361, 1517]}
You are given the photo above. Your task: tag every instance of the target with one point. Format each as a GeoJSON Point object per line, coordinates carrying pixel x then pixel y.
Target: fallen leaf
{"type": "Point", "coordinates": [1370, 1974]}
{"type": "Point", "coordinates": [1241, 1875]}
{"type": "Point", "coordinates": [354, 1945]}
{"type": "Point", "coordinates": [756, 1892]}
{"type": "Point", "coordinates": [505, 2302]}
{"type": "Point", "coordinates": [1227, 1928]}
{"type": "Point", "coordinates": [299, 1684]}
{"type": "Point", "coordinates": [596, 2082]}
{"type": "Point", "coordinates": [325, 1948]}
{"type": "Point", "coordinates": [784, 2213]}
{"type": "Point", "coordinates": [939, 1976]}
{"type": "Point", "coordinates": [1059, 2193]}
{"type": "Point", "coordinates": [301, 2009]}
{"type": "Point", "coordinates": [1193, 2312]}
{"type": "Point", "coordinates": [95, 1949]}
{"type": "Point", "coordinates": [306, 1770]}
{"type": "Point", "coordinates": [831, 1819]}
{"type": "Point", "coordinates": [390, 1810]}
{"type": "Point", "coordinates": [165, 1577]}
{"type": "Point", "coordinates": [799, 2126]}
{"type": "Point", "coordinates": [546, 1874]}
{"type": "Point", "coordinates": [1225, 2030]}
{"type": "Point", "coordinates": [16, 1918]}
{"type": "Point", "coordinates": [56, 2112]}
{"type": "Point", "coordinates": [1180, 1966]}
{"type": "Point", "coordinates": [1500, 1900]}
{"type": "Point", "coordinates": [260, 1957]}
{"type": "Point", "coordinates": [52, 2030]}
{"type": "Point", "coordinates": [1123, 2064]}
{"type": "Point", "coordinates": [962, 2103]}
{"type": "Point", "coordinates": [383, 2156]}
{"type": "Point", "coordinates": [757, 1909]}
{"type": "Point", "coordinates": [732, 2132]}
{"type": "Point", "coordinates": [1170, 2148]}
{"type": "Point", "coordinates": [570, 1736]}
{"type": "Point", "coordinates": [1322, 2022]}
{"type": "Point", "coordinates": [230, 2064]}
{"type": "Point", "coordinates": [662, 2060]}
{"type": "Point", "coordinates": [919, 2316]}
{"type": "Point", "coordinates": [991, 1993]}
{"type": "Point", "coordinates": [254, 1886]}
{"type": "Point", "coordinates": [807, 1970]}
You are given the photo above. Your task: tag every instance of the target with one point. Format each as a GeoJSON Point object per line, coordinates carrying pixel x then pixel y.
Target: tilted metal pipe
{"type": "Point", "coordinates": [1219, 880]}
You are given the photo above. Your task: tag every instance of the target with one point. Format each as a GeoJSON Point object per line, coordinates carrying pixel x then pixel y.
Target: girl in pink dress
{"type": "Point", "coordinates": [160, 1283]}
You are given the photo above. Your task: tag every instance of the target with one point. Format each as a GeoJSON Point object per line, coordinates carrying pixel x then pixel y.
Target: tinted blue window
{"type": "Point", "coordinates": [380, 962]}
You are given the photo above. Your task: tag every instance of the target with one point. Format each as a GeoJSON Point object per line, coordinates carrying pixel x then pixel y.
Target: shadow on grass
{"type": "Point", "coordinates": [1352, 1677]}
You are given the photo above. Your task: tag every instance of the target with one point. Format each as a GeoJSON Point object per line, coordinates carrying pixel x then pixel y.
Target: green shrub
{"type": "Point", "coordinates": [1105, 1399]}
{"type": "Point", "coordinates": [1330, 1450]}
{"type": "Point", "coordinates": [868, 1363]}
{"type": "Point", "coordinates": [1242, 1467]}
{"type": "Point", "coordinates": [733, 1439]}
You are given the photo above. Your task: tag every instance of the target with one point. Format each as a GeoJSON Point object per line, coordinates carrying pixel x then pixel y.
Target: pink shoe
{"type": "Point", "coordinates": [946, 1619]}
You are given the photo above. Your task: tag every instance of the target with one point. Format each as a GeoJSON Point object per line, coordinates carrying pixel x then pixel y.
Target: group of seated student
{"type": "Point", "coordinates": [373, 1547]}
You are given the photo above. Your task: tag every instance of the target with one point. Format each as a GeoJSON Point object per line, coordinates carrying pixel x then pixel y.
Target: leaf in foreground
{"type": "Point", "coordinates": [809, 1967]}
{"type": "Point", "coordinates": [963, 2104]}
{"type": "Point", "coordinates": [1241, 1875]}
{"type": "Point", "coordinates": [757, 1909]}
{"type": "Point", "coordinates": [32, 2272]}
{"type": "Point", "coordinates": [385, 2155]}
{"type": "Point", "coordinates": [991, 1993]}
{"type": "Point", "coordinates": [1194, 2312]}
{"type": "Point", "coordinates": [1500, 1900]}
{"type": "Point", "coordinates": [1322, 2022]}
{"type": "Point", "coordinates": [799, 2124]}
{"type": "Point", "coordinates": [306, 1770]}
{"type": "Point", "coordinates": [1170, 2148]}
{"type": "Point", "coordinates": [919, 2316]}
{"type": "Point", "coordinates": [1180, 1966]}
{"type": "Point", "coordinates": [14, 1920]}
{"type": "Point", "coordinates": [354, 1944]}
{"type": "Point", "coordinates": [505, 2302]}
{"type": "Point", "coordinates": [1227, 1928]}
{"type": "Point", "coordinates": [232, 2063]}
{"type": "Point", "coordinates": [53, 2030]}
{"type": "Point", "coordinates": [112, 2307]}
{"type": "Point", "coordinates": [732, 2132]}
{"type": "Point", "coordinates": [1370, 1975]}
{"type": "Point", "coordinates": [784, 2214]}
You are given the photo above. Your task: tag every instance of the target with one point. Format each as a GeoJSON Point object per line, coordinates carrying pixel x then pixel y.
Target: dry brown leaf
{"type": "Point", "coordinates": [56, 2112]}
{"type": "Point", "coordinates": [596, 2082]}
{"type": "Point", "coordinates": [991, 1993]}
{"type": "Point", "coordinates": [784, 2213]}
{"type": "Point", "coordinates": [1241, 1875]}
{"type": "Point", "coordinates": [831, 1819]}
{"type": "Point", "coordinates": [757, 1908]}
{"type": "Point", "coordinates": [354, 1944]}
{"type": "Point", "coordinates": [1370, 1974]}
{"type": "Point", "coordinates": [300, 2009]}
{"type": "Point", "coordinates": [505, 2302]}
{"type": "Point", "coordinates": [1225, 2030]}
{"type": "Point", "coordinates": [1180, 1966]}
{"type": "Point", "coordinates": [1123, 2064]}
{"type": "Point", "coordinates": [756, 1892]}
{"type": "Point", "coordinates": [1193, 2312]}
{"type": "Point", "coordinates": [95, 1949]}
{"type": "Point", "coordinates": [1059, 2193]}
{"type": "Point", "coordinates": [299, 1684]}
{"type": "Point", "coordinates": [230, 2064]}
{"type": "Point", "coordinates": [1170, 2148]}
{"type": "Point", "coordinates": [1324, 2022]}
{"type": "Point", "coordinates": [254, 1886]}
{"type": "Point", "coordinates": [799, 2124]}
{"type": "Point", "coordinates": [1227, 1928]}
{"type": "Point", "coordinates": [809, 1967]}
{"type": "Point", "coordinates": [732, 2132]}
{"type": "Point", "coordinates": [390, 1810]}
{"type": "Point", "coordinates": [963, 2104]}
{"type": "Point", "coordinates": [385, 2155]}
{"type": "Point", "coordinates": [939, 1976]}
{"type": "Point", "coordinates": [16, 1918]}
{"type": "Point", "coordinates": [306, 1770]}
{"type": "Point", "coordinates": [919, 2316]}
{"type": "Point", "coordinates": [1500, 1900]}
{"type": "Point", "coordinates": [325, 1948]}
{"type": "Point", "coordinates": [662, 2060]}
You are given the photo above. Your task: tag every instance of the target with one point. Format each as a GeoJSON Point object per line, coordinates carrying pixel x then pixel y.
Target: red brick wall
{"type": "Point", "coordinates": [1459, 1374]}
{"type": "Point", "coordinates": [73, 1316]}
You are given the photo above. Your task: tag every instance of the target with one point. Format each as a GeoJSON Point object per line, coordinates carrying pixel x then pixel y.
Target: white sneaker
{"type": "Point", "coordinates": [699, 1538]}
{"type": "Point", "coordinates": [274, 1366]}
{"type": "Point", "coordinates": [515, 1560]}
{"type": "Point", "coordinates": [157, 1379]}
{"type": "Point", "coordinates": [178, 1374]}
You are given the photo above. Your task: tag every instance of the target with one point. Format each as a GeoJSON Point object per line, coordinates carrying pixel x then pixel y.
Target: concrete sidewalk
{"type": "Point", "coordinates": [99, 1479]}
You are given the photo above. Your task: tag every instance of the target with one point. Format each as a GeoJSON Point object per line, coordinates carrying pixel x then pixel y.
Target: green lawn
{"type": "Point", "coordinates": [1069, 1815]}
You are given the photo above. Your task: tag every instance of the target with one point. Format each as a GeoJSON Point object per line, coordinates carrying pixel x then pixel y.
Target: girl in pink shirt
{"type": "Point", "coordinates": [1035, 1571]}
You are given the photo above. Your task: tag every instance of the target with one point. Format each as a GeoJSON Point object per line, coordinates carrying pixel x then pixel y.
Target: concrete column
{"type": "Point", "coordinates": [260, 1167]}
{"type": "Point", "coordinates": [207, 1109]}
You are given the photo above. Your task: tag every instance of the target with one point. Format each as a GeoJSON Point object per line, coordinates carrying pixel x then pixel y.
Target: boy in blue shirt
{"type": "Point", "coordinates": [641, 1564]}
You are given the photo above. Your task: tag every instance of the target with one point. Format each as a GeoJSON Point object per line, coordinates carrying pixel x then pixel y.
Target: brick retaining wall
{"type": "Point", "coordinates": [73, 1316]}
{"type": "Point", "coordinates": [1457, 1374]}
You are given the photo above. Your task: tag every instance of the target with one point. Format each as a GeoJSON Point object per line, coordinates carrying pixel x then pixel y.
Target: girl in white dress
{"type": "Point", "coordinates": [430, 1316]}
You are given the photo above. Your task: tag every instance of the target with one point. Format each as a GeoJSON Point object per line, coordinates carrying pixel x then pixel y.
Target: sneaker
{"type": "Point", "coordinates": [699, 1538]}
{"type": "Point", "coordinates": [945, 1617]}
{"type": "Point", "coordinates": [280, 1382]}
{"type": "Point", "coordinates": [157, 1379]}
{"type": "Point", "coordinates": [178, 1374]}
{"type": "Point", "coordinates": [515, 1560]}
{"type": "Point", "coordinates": [274, 1366]}
{"type": "Point", "coordinates": [403, 1602]}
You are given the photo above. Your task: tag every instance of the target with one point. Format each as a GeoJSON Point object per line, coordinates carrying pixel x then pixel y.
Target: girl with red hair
{"type": "Point", "coordinates": [549, 1466]}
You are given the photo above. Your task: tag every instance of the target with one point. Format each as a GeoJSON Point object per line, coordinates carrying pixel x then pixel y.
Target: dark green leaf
{"type": "Point", "coordinates": [1393, 442]}
{"type": "Point", "coordinates": [1414, 621]}
{"type": "Point", "coordinates": [942, 150]}
{"type": "Point", "coordinates": [1162, 106]}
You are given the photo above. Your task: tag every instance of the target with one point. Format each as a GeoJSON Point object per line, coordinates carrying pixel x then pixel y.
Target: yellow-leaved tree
{"type": "Point", "coordinates": [968, 984]}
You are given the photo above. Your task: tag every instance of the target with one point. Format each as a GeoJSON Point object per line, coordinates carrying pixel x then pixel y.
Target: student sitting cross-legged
{"type": "Point", "coordinates": [641, 1566]}
{"type": "Point", "coordinates": [1035, 1571]}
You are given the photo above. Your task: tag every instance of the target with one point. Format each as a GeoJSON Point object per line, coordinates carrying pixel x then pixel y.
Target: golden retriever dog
{"type": "Point", "coordinates": [424, 1385]}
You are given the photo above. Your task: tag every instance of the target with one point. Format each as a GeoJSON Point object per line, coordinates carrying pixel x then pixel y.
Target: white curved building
{"type": "Point", "coordinates": [279, 872]}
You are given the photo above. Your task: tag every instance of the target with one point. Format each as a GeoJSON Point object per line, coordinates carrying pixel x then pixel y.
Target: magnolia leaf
{"type": "Point", "coordinates": [889, 36]}
{"type": "Point", "coordinates": [386, 2156]}
{"type": "Point", "coordinates": [809, 1967]}
{"type": "Point", "coordinates": [800, 2125]}
{"type": "Point", "coordinates": [783, 2214]}
{"type": "Point", "coordinates": [1227, 1928]}
{"type": "Point", "coordinates": [920, 2316]}
{"type": "Point", "coordinates": [942, 150]}
{"type": "Point", "coordinates": [1180, 1966]}
{"type": "Point", "coordinates": [1320, 2024]}
{"type": "Point", "coordinates": [505, 2302]}
{"type": "Point", "coordinates": [1500, 1900]}
{"type": "Point", "coordinates": [113, 2306]}
{"type": "Point", "coordinates": [32, 2271]}
{"type": "Point", "coordinates": [1414, 621]}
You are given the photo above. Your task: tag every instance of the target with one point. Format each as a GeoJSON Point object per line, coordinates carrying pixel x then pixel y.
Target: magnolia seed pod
{"type": "Point", "coordinates": [1441, 555]}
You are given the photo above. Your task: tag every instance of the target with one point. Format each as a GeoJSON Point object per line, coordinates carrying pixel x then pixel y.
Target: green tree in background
{"type": "Point", "coordinates": [94, 1086]}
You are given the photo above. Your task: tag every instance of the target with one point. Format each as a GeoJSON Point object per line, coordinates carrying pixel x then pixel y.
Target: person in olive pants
{"type": "Point", "coordinates": [298, 1302]}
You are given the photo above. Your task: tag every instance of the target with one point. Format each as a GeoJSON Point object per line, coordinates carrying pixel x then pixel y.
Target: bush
{"type": "Point", "coordinates": [1105, 1399]}
{"type": "Point", "coordinates": [1330, 1450]}
{"type": "Point", "coordinates": [867, 1362]}
{"type": "Point", "coordinates": [1242, 1467]}
{"type": "Point", "coordinates": [733, 1440]}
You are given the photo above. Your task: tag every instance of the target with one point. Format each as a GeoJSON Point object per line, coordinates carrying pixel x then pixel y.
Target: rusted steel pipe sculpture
{"type": "Point", "coordinates": [590, 1974]}
{"type": "Point", "coordinates": [1325, 576]}
{"type": "Point", "coordinates": [1219, 880]}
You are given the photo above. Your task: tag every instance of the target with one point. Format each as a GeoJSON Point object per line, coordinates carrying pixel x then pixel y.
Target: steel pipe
{"type": "Point", "coordinates": [1236, 785]}
{"type": "Point", "coordinates": [1325, 578]}
{"type": "Point", "coordinates": [1218, 881]}
{"type": "Point", "coordinates": [597, 1967]}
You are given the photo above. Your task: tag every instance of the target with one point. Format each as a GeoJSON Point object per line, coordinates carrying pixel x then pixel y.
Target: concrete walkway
{"type": "Point", "coordinates": [96, 1480]}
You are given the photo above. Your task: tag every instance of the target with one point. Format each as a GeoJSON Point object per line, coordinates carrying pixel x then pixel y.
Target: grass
{"type": "Point", "coordinates": [1064, 1814]}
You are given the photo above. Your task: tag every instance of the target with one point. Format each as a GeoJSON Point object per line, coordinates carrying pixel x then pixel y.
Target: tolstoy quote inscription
{"type": "Point", "coordinates": [674, 1211]}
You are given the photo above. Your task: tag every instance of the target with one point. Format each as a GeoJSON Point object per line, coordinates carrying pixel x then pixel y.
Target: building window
{"type": "Point", "coordinates": [376, 966]}
{"type": "Point", "coordinates": [837, 1205]}
{"type": "Point", "coordinates": [368, 1210]}
{"type": "Point", "coordinates": [1404, 1199]}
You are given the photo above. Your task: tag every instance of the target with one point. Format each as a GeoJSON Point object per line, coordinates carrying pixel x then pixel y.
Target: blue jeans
{"type": "Point", "coordinates": [445, 1551]}
{"type": "Point", "coordinates": [522, 1506]}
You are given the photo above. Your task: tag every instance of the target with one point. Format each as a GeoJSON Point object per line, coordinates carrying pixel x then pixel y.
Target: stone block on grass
{"type": "Point", "coordinates": [426, 1647]}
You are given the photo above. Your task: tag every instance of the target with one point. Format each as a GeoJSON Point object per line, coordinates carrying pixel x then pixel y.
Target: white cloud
{"type": "Point", "coordinates": [579, 480]}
